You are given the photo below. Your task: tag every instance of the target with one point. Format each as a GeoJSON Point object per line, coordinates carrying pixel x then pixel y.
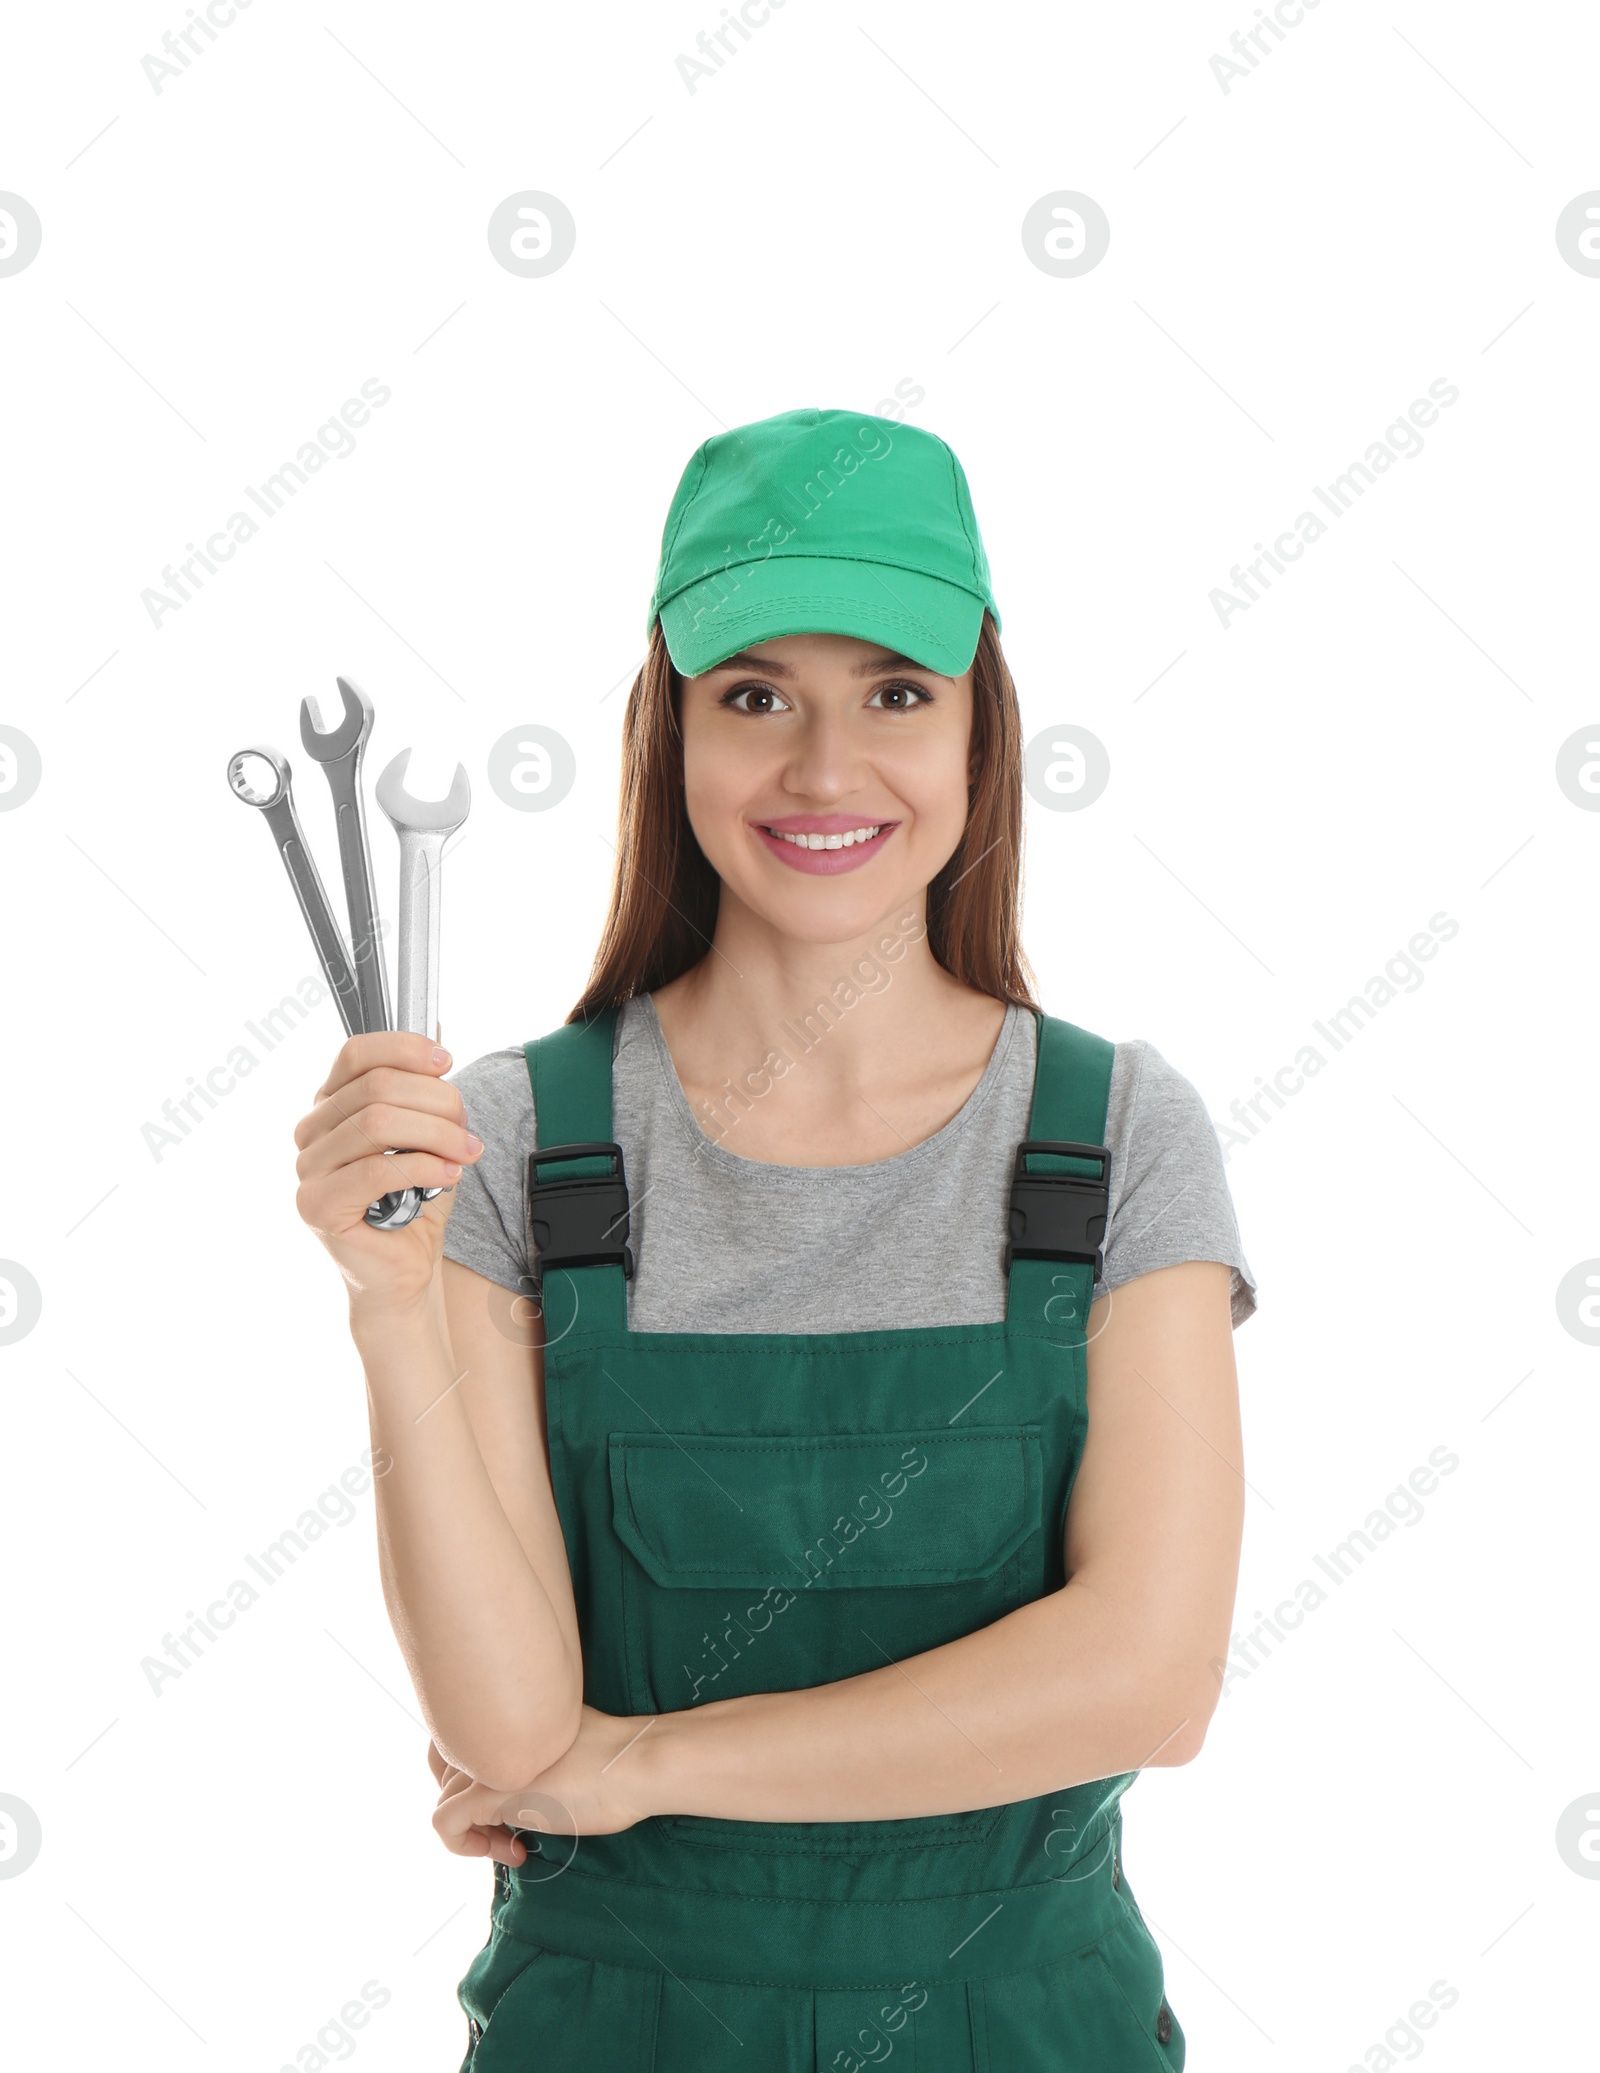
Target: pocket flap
{"type": "Point", "coordinates": [835, 1511]}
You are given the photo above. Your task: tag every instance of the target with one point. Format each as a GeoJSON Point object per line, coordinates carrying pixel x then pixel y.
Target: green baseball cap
{"type": "Point", "coordinates": [822, 521]}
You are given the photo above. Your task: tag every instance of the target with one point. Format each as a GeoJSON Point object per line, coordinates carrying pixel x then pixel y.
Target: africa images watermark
{"type": "Point", "coordinates": [714, 44]}
{"type": "Point", "coordinates": [333, 2039]}
{"type": "Point", "coordinates": [334, 440]}
{"type": "Point", "coordinates": [181, 47]}
{"type": "Point", "coordinates": [1401, 974]}
{"type": "Point", "coordinates": [181, 1651]}
{"type": "Point", "coordinates": [1401, 440]}
{"type": "Point", "coordinates": [868, 974]}
{"type": "Point", "coordinates": [870, 1510]}
{"type": "Point", "coordinates": [1402, 1507]}
{"type": "Point", "coordinates": [1247, 43]}
{"type": "Point", "coordinates": [874, 2049]}
{"type": "Point", "coordinates": [1400, 2039]}
{"type": "Point", "coordinates": [181, 1114]}
{"type": "Point", "coordinates": [871, 443]}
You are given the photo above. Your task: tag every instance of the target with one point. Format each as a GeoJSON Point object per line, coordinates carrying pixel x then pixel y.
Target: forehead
{"type": "Point", "coordinates": [789, 654]}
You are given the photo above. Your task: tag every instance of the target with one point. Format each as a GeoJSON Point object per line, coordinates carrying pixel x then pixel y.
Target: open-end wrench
{"type": "Point", "coordinates": [277, 805]}
{"type": "Point", "coordinates": [423, 826]}
{"type": "Point", "coordinates": [339, 751]}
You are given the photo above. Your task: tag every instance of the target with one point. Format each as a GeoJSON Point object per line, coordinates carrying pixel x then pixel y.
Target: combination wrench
{"type": "Point", "coordinates": [277, 807]}
{"type": "Point", "coordinates": [423, 827]}
{"type": "Point", "coordinates": [339, 751]}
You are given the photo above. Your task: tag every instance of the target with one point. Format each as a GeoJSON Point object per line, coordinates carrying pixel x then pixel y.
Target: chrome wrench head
{"type": "Point", "coordinates": [276, 806]}
{"type": "Point", "coordinates": [242, 788]}
{"type": "Point", "coordinates": [332, 745]}
{"type": "Point", "coordinates": [423, 826]}
{"type": "Point", "coordinates": [408, 816]}
{"type": "Point", "coordinates": [339, 750]}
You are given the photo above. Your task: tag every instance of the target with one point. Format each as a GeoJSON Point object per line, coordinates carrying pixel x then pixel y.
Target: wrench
{"type": "Point", "coordinates": [278, 807]}
{"type": "Point", "coordinates": [423, 825]}
{"type": "Point", "coordinates": [391, 1210]}
{"type": "Point", "coordinates": [339, 751]}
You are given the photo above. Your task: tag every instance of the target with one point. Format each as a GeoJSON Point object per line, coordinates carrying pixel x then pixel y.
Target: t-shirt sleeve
{"type": "Point", "coordinates": [1169, 1196]}
{"type": "Point", "coordinates": [487, 1230]}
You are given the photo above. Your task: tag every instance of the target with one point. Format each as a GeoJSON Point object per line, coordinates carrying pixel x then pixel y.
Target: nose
{"type": "Point", "coordinates": [824, 762]}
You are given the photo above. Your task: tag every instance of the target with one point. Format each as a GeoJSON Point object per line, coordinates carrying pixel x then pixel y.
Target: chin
{"type": "Point", "coordinates": [824, 910]}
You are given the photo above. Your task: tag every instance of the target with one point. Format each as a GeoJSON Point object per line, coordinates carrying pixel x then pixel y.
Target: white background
{"type": "Point", "coordinates": [1374, 741]}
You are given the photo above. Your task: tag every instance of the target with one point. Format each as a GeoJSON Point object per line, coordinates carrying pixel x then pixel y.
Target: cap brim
{"type": "Point", "coordinates": [931, 622]}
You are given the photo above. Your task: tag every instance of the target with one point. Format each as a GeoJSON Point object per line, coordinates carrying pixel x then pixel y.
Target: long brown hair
{"type": "Point", "coordinates": [664, 893]}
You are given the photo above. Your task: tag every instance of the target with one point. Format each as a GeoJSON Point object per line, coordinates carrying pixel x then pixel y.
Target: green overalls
{"type": "Point", "coordinates": [752, 1512]}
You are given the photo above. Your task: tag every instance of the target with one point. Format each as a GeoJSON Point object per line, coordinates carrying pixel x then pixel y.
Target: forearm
{"type": "Point", "coordinates": [482, 1641]}
{"type": "Point", "coordinates": [1050, 1696]}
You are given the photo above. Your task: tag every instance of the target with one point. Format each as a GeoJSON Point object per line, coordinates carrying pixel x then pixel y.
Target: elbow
{"type": "Point", "coordinates": [1176, 1727]}
{"type": "Point", "coordinates": [516, 1753]}
{"type": "Point", "coordinates": [512, 1764]}
{"type": "Point", "coordinates": [521, 1759]}
{"type": "Point", "coordinates": [497, 1776]}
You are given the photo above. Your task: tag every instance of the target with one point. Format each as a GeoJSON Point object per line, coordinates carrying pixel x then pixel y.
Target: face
{"type": "Point", "coordinates": [819, 735]}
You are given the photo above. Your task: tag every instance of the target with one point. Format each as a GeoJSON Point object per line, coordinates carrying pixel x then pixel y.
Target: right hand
{"type": "Point", "coordinates": [385, 1088]}
{"type": "Point", "coordinates": [481, 1839]}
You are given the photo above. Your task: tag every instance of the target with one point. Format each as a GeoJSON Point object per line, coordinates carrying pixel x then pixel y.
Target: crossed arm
{"type": "Point", "coordinates": [1111, 1673]}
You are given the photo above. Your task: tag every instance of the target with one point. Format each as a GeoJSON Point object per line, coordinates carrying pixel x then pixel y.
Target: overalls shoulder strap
{"type": "Point", "coordinates": [1072, 1083]}
{"type": "Point", "coordinates": [570, 1071]}
{"type": "Point", "coordinates": [577, 1188]}
{"type": "Point", "coordinates": [578, 1197]}
{"type": "Point", "coordinates": [1060, 1182]}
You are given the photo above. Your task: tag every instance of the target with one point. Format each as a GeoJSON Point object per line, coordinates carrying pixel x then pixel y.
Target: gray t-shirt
{"type": "Point", "coordinates": [726, 1243]}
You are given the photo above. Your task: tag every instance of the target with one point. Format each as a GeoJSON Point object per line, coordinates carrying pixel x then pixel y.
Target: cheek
{"type": "Point", "coordinates": [930, 777]}
{"type": "Point", "coordinates": [706, 765]}
{"type": "Point", "coordinates": [719, 776]}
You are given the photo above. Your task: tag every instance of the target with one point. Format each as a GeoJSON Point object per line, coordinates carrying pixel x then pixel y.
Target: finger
{"type": "Point", "coordinates": [505, 1848]}
{"type": "Point", "coordinates": [404, 1048]}
{"type": "Point", "coordinates": [377, 1125]}
{"type": "Point", "coordinates": [454, 1828]}
{"type": "Point", "coordinates": [336, 1205]}
{"type": "Point", "coordinates": [428, 1093]}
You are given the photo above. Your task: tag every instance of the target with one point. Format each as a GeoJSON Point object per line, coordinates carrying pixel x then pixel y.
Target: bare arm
{"type": "Point", "coordinates": [470, 1551]}
{"type": "Point", "coordinates": [1108, 1674]}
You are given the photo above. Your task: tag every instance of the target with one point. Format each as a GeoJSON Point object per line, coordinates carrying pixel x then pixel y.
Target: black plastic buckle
{"type": "Point", "coordinates": [580, 1220]}
{"type": "Point", "coordinates": [1058, 1216]}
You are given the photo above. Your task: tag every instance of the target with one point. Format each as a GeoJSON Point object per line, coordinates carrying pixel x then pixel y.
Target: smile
{"type": "Point", "coordinates": [844, 841]}
{"type": "Point", "coordinates": [827, 846]}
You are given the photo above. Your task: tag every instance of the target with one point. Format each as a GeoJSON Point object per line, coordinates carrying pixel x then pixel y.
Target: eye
{"type": "Point", "coordinates": [906, 694]}
{"type": "Point", "coordinates": [751, 691]}
{"type": "Point", "coordinates": [902, 684]}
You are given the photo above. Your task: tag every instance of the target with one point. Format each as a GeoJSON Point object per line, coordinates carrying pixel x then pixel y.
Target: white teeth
{"type": "Point", "coordinates": [844, 840]}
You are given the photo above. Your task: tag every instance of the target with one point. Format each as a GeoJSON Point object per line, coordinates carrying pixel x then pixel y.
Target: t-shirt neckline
{"type": "Point", "coordinates": [726, 1161]}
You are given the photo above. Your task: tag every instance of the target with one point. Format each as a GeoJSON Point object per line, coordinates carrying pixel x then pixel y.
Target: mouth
{"type": "Point", "coordinates": [824, 844]}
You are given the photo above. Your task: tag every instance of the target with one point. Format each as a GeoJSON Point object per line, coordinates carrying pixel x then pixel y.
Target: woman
{"type": "Point", "coordinates": [761, 1646]}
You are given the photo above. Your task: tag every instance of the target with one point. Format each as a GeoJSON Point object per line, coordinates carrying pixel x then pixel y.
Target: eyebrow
{"type": "Point", "coordinates": [771, 667]}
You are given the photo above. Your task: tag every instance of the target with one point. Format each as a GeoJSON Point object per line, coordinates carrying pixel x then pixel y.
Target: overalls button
{"type": "Point", "coordinates": [1164, 2024]}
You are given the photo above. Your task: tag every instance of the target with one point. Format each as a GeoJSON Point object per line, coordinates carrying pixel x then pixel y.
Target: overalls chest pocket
{"type": "Point", "coordinates": [776, 1562]}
